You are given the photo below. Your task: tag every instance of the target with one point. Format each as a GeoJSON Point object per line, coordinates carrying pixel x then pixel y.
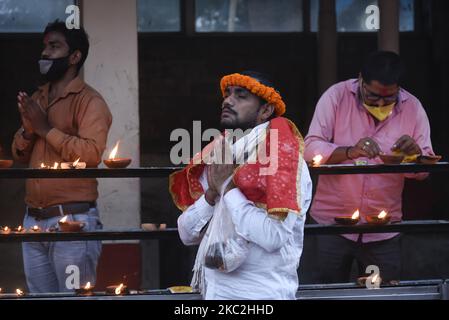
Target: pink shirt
{"type": "Point", "coordinates": [341, 120]}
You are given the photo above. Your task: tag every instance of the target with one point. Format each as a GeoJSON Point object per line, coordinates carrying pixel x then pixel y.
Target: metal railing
{"type": "Point", "coordinates": [160, 172]}
{"type": "Point", "coordinates": [405, 290]}
{"type": "Point", "coordinates": [423, 226]}
{"type": "Point", "coordinates": [423, 289]}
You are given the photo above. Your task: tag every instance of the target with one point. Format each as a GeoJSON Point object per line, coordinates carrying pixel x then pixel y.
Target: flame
{"type": "Point", "coordinates": [114, 151]}
{"type": "Point", "coordinates": [87, 286]}
{"type": "Point", "coordinates": [55, 166]}
{"type": "Point", "coordinates": [75, 162]}
{"type": "Point", "coordinates": [355, 215]}
{"type": "Point", "coordinates": [374, 279]}
{"type": "Point", "coordinates": [35, 228]}
{"type": "Point", "coordinates": [118, 290]}
{"type": "Point", "coordinates": [6, 229]}
{"type": "Point", "coordinates": [19, 292]}
{"type": "Point", "coordinates": [64, 220]}
{"type": "Point", "coordinates": [19, 228]}
{"type": "Point", "coordinates": [42, 165]}
{"type": "Point", "coordinates": [382, 215]}
{"type": "Point", "coordinates": [317, 160]}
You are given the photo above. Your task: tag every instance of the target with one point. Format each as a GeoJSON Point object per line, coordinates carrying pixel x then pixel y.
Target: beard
{"type": "Point", "coordinates": [54, 69]}
{"type": "Point", "coordinates": [234, 123]}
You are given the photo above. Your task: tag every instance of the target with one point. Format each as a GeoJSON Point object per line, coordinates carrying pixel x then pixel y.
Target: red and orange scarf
{"type": "Point", "coordinates": [278, 193]}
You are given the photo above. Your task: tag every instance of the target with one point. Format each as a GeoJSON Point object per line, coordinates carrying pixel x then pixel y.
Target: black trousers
{"type": "Point", "coordinates": [336, 254]}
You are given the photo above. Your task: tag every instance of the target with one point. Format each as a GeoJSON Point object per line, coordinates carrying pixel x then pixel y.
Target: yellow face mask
{"type": "Point", "coordinates": [380, 113]}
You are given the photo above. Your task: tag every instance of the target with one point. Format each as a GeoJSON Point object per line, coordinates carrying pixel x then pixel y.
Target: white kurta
{"type": "Point", "coordinates": [270, 270]}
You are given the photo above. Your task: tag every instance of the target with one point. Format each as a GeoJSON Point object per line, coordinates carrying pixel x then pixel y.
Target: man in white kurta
{"type": "Point", "coordinates": [268, 213]}
{"type": "Point", "coordinates": [270, 270]}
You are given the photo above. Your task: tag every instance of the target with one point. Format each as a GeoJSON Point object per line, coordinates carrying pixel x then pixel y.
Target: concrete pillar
{"type": "Point", "coordinates": [232, 15]}
{"type": "Point", "coordinates": [188, 16]}
{"type": "Point", "coordinates": [327, 45]}
{"type": "Point", "coordinates": [388, 35]}
{"type": "Point", "coordinates": [112, 69]}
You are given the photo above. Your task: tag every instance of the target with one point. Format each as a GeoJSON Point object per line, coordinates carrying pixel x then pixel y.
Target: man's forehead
{"type": "Point", "coordinates": [382, 89]}
{"type": "Point", "coordinates": [54, 36]}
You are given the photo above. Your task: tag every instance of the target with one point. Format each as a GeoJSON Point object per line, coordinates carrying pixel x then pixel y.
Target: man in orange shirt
{"type": "Point", "coordinates": [62, 121]}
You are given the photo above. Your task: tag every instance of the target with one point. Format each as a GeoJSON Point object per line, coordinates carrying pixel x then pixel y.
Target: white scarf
{"type": "Point", "coordinates": [247, 144]}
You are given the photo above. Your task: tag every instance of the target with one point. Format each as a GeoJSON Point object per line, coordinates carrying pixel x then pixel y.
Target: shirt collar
{"type": "Point", "coordinates": [74, 86]}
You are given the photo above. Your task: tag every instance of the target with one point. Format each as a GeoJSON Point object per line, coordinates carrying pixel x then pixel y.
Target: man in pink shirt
{"type": "Point", "coordinates": [359, 119]}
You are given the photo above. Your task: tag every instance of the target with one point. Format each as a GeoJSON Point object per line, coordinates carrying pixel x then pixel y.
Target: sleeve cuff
{"type": "Point", "coordinates": [324, 148]}
{"type": "Point", "coordinates": [327, 151]}
{"type": "Point", "coordinates": [203, 214]}
{"type": "Point", "coordinates": [20, 142]}
{"type": "Point", "coordinates": [202, 204]}
{"type": "Point", "coordinates": [55, 138]}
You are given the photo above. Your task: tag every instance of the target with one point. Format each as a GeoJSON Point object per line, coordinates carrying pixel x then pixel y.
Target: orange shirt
{"type": "Point", "coordinates": [80, 119]}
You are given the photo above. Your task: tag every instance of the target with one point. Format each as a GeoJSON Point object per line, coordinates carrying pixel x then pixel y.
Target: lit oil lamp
{"type": "Point", "coordinates": [428, 159]}
{"type": "Point", "coordinates": [114, 162]}
{"type": "Point", "coordinates": [121, 289]}
{"type": "Point", "coordinates": [391, 158]}
{"type": "Point", "coordinates": [70, 226]}
{"type": "Point", "coordinates": [73, 165]}
{"type": "Point", "coordinates": [35, 229]}
{"type": "Point", "coordinates": [349, 220]}
{"type": "Point", "coordinates": [153, 226]}
{"type": "Point", "coordinates": [180, 289]}
{"type": "Point", "coordinates": [374, 283]}
{"type": "Point", "coordinates": [5, 230]}
{"type": "Point", "coordinates": [87, 290]}
{"type": "Point", "coordinates": [316, 161]}
{"type": "Point", "coordinates": [53, 167]}
{"type": "Point", "coordinates": [20, 293]}
{"type": "Point", "coordinates": [381, 218]}
{"type": "Point", "coordinates": [19, 229]}
{"type": "Point", "coordinates": [6, 163]}
{"type": "Point", "coordinates": [374, 279]}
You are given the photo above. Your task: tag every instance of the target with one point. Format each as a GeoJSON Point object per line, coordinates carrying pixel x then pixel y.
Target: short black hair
{"type": "Point", "coordinates": [264, 79]}
{"type": "Point", "coordinates": [383, 66]}
{"type": "Point", "coordinates": [77, 39]}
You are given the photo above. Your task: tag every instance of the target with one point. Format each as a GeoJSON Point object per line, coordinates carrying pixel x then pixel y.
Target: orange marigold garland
{"type": "Point", "coordinates": [268, 93]}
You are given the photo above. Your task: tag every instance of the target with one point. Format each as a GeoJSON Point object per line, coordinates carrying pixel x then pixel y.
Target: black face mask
{"type": "Point", "coordinates": [54, 69]}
